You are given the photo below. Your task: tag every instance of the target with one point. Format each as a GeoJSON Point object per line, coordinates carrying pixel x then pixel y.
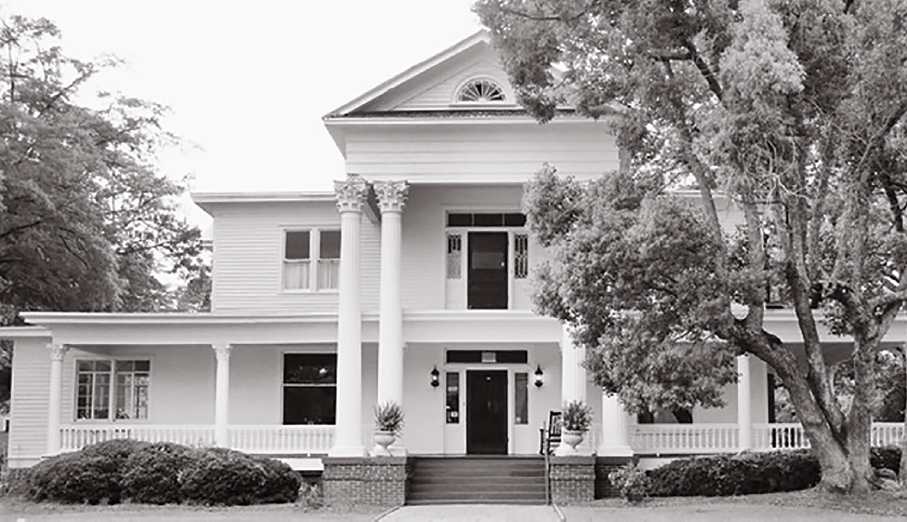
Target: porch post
{"type": "Point", "coordinates": [615, 441]}
{"type": "Point", "coordinates": [222, 394]}
{"type": "Point", "coordinates": [391, 199]}
{"type": "Point", "coordinates": [54, 409]}
{"type": "Point", "coordinates": [573, 376]}
{"type": "Point", "coordinates": [573, 373]}
{"type": "Point", "coordinates": [744, 403]}
{"type": "Point", "coordinates": [351, 193]}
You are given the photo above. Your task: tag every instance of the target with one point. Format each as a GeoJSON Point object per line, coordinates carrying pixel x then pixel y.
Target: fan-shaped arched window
{"type": "Point", "coordinates": [481, 90]}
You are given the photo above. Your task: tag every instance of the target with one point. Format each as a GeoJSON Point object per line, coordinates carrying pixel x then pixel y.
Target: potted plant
{"type": "Point", "coordinates": [388, 423]}
{"type": "Point", "coordinates": [575, 421]}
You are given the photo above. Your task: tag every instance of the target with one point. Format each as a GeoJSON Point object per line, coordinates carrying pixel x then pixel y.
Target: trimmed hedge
{"type": "Point", "coordinates": [92, 476]}
{"type": "Point", "coordinates": [162, 473]}
{"type": "Point", "coordinates": [152, 474]}
{"type": "Point", "coordinates": [748, 473]}
{"type": "Point", "coordinates": [222, 476]}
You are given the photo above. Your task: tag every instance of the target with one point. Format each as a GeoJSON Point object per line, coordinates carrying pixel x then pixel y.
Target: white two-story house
{"type": "Point", "coordinates": [410, 282]}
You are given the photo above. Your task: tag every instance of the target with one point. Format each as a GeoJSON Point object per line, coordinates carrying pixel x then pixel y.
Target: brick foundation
{"type": "Point", "coordinates": [572, 479]}
{"type": "Point", "coordinates": [376, 481]}
{"type": "Point", "coordinates": [604, 466]}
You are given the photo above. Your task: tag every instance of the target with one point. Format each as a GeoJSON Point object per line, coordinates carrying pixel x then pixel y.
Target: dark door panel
{"type": "Point", "coordinates": [487, 272]}
{"type": "Point", "coordinates": [486, 412]}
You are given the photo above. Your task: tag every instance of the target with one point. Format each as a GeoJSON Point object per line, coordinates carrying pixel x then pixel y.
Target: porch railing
{"type": "Point", "coordinates": [683, 438]}
{"type": "Point", "coordinates": [724, 438]}
{"type": "Point", "coordinates": [75, 437]}
{"type": "Point", "coordinates": [274, 439]}
{"type": "Point", "coordinates": [306, 439]}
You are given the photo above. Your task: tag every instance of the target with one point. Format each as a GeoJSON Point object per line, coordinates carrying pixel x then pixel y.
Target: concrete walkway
{"type": "Point", "coordinates": [474, 513]}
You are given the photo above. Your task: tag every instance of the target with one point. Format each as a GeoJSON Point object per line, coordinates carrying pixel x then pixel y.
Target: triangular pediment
{"type": "Point", "coordinates": [433, 84]}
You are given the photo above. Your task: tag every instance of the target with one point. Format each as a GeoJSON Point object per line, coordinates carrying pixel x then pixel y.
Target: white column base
{"type": "Point", "coordinates": [347, 451]}
{"type": "Point", "coordinates": [615, 440]}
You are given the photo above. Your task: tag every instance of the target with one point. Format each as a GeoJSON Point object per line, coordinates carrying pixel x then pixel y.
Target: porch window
{"type": "Point", "coordinates": [520, 256]}
{"type": "Point", "coordinates": [309, 388]}
{"type": "Point", "coordinates": [454, 260]}
{"type": "Point", "coordinates": [453, 398]}
{"type": "Point", "coordinates": [301, 248]}
{"type": "Point", "coordinates": [112, 389]}
{"type": "Point", "coordinates": [521, 398]}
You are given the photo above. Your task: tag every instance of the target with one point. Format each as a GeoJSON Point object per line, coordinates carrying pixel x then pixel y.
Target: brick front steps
{"type": "Point", "coordinates": [477, 479]}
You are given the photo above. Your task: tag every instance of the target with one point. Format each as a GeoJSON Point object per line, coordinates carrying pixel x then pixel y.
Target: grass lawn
{"type": "Point", "coordinates": [13, 509]}
{"type": "Point", "coordinates": [806, 505]}
{"type": "Point", "coordinates": [797, 505]}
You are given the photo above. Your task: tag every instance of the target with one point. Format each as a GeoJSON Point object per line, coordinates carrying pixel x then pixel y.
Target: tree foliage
{"type": "Point", "coordinates": [792, 109]}
{"type": "Point", "coordinates": [88, 222]}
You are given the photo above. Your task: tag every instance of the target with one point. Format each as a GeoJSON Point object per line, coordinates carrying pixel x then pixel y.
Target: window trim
{"type": "Point", "coordinates": [507, 101]}
{"type": "Point", "coordinates": [111, 419]}
{"type": "Point", "coordinates": [314, 259]}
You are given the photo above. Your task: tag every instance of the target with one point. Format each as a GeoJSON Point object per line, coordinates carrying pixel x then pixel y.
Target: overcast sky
{"type": "Point", "coordinates": [248, 82]}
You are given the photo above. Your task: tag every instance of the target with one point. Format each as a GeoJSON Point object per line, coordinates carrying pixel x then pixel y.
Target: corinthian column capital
{"type": "Point", "coordinates": [391, 195]}
{"type": "Point", "coordinates": [222, 351]}
{"type": "Point", "coordinates": [57, 351]}
{"type": "Point", "coordinates": [351, 193]}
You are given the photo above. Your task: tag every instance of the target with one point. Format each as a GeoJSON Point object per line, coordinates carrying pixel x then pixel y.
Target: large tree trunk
{"type": "Point", "coordinates": [902, 475]}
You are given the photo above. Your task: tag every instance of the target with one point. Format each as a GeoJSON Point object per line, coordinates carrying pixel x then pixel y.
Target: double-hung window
{"type": "Point", "coordinates": [112, 389]}
{"type": "Point", "coordinates": [311, 259]}
{"type": "Point", "coordinates": [309, 388]}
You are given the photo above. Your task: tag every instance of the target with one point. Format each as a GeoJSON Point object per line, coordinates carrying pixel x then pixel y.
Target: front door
{"type": "Point", "coordinates": [486, 412]}
{"type": "Point", "coordinates": [487, 273]}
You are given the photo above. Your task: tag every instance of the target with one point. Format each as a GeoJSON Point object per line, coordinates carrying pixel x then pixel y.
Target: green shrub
{"type": "Point", "coordinates": [631, 482]}
{"type": "Point", "coordinates": [886, 457]}
{"type": "Point", "coordinates": [745, 474]}
{"type": "Point", "coordinates": [151, 475]}
{"type": "Point", "coordinates": [92, 475]}
{"type": "Point", "coordinates": [221, 476]}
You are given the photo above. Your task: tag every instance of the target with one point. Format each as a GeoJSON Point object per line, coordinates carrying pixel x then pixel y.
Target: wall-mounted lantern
{"type": "Point", "coordinates": [539, 376]}
{"type": "Point", "coordinates": [435, 377]}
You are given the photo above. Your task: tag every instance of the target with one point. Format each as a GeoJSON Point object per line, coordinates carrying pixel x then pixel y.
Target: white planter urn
{"type": "Point", "coordinates": [383, 439]}
{"type": "Point", "coordinates": [570, 439]}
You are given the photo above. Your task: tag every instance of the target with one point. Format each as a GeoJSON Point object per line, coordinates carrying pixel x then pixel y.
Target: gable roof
{"type": "Point", "coordinates": [479, 38]}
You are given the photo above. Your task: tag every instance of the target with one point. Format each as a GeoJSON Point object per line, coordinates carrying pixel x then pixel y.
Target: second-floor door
{"type": "Point", "coordinates": [487, 271]}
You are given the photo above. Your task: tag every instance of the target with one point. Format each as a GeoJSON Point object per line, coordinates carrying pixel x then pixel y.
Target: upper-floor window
{"type": "Point", "coordinates": [480, 90]}
{"type": "Point", "coordinates": [311, 256]}
{"type": "Point", "coordinates": [112, 389]}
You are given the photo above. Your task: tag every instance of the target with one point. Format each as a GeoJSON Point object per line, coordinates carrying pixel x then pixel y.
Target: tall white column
{"type": "Point", "coordinates": [573, 373]}
{"type": "Point", "coordinates": [55, 406]}
{"type": "Point", "coordinates": [615, 440]}
{"type": "Point", "coordinates": [222, 394]}
{"type": "Point", "coordinates": [573, 376]}
{"type": "Point", "coordinates": [351, 194]}
{"type": "Point", "coordinates": [391, 199]}
{"type": "Point", "coordinates": [744, 403]}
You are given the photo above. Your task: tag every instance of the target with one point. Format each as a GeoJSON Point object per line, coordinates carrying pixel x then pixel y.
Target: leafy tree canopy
{"type": "Point", "coordinates": [87, 220]}
{"type": "Point", "coordinates": [794, 110]}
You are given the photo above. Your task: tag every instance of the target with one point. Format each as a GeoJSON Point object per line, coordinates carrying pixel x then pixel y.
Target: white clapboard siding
{"type": "Point", "coordinates": [442, 94]}
{"type": "Point", "coordinates": [248, 262]}
{"type": "Point", "coordinates": [512, 152]}
{"type": "Point", "coordinates": [29, 402]}
{"type": "Point", "coordinates": [430, 88]}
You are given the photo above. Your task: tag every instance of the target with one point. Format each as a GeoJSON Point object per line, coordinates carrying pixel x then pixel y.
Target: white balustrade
{"type": "Point", "coordinates": [887, 433]}
{"type": "Point", "coordinates": [683, 438]}
{"type": "Point", "coordinates": [307, 439]}
{"type": "Point", "coordinates": [75, 437]}
{"type": "Point", "coordinates": [779, 436]}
